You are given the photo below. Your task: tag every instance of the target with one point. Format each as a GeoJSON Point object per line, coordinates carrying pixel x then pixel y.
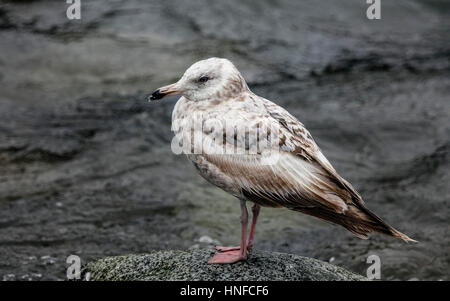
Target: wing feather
{"type": "Point", "coordinates": [300, 178]}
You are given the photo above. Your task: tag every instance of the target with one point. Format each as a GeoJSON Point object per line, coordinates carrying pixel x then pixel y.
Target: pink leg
{"type": "Point", "coordinates": [232, 255]}
{"type": "Point", "coordinates": [255, 211]}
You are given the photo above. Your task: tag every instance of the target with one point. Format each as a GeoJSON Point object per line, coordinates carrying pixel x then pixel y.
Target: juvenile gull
{"type": "Point", "coordinates": [300, 178]}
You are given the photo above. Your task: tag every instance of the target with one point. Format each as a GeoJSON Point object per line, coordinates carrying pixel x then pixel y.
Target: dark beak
{"type": "Point", "coordinates": [164, 91]}
{"type": "Point", "coordinates": [156, 95]}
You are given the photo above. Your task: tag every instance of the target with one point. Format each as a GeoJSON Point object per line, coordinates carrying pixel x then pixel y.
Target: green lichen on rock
{"type": "Point", "coordinates": [192, 265]}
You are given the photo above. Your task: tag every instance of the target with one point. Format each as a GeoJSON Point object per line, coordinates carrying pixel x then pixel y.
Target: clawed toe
{"type": "Point", "coordinates": [227, 249]}
{"type": "Point", "coordinates": [227, 257]}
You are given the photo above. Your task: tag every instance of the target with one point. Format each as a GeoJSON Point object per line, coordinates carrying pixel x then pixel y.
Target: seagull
{"type": "Point", "coordinates": [286, 169]}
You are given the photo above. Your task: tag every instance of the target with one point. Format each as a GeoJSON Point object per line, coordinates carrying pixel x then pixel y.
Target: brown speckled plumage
{"type": "Point", "coordinates": [301, 178]}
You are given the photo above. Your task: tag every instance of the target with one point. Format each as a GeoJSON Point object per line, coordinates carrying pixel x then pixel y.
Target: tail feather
{"type": "Point", "coordinates": [362, 232]}
{"type": "Point", "coordinates": [359, 220]}
{"type": "Point", "coordinates": [373, 223]}
{"type": "Point", "coordinates": [400, 235]}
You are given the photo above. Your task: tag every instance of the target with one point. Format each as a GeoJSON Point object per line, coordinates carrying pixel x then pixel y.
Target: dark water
{"type": "Point", "coordinates": [85, 162]}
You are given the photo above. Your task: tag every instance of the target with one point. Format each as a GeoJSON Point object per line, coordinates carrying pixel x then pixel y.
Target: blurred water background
{"type": "Point", "coordinates": [85, 162]}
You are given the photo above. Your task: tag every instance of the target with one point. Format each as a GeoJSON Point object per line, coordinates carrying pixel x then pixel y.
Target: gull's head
{"type": "Point", "coordinates": [211, 79]}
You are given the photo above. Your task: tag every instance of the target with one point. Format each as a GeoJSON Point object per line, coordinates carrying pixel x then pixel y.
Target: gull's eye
{"type": "Point", "coordinates": [203, 79]}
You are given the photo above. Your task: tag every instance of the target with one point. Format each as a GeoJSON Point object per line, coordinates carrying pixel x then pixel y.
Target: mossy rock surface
{"type": "Point", "coordinates": [192, 265]}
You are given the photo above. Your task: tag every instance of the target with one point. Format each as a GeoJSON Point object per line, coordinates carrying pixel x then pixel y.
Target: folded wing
{"type": "Point", "coordinates": [299, 178]}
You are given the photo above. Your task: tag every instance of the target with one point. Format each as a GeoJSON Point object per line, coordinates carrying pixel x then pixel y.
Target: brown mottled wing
{"type": "Point", "coordinates": [302, 144]}
{"type": "Point", "coordinates": [294, 180]}
{"type": "Point", "coordinates": [355, 216]}
{"type": "Point", "coordinates": [300, 178]}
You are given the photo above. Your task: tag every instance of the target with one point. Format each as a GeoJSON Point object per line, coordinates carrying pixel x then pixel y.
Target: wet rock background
{"type": "Point", "coordinates": [85, 162]}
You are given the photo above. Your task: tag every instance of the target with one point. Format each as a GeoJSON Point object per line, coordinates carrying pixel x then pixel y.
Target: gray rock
{"type": "Point", "coordinates": [192, 265]}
